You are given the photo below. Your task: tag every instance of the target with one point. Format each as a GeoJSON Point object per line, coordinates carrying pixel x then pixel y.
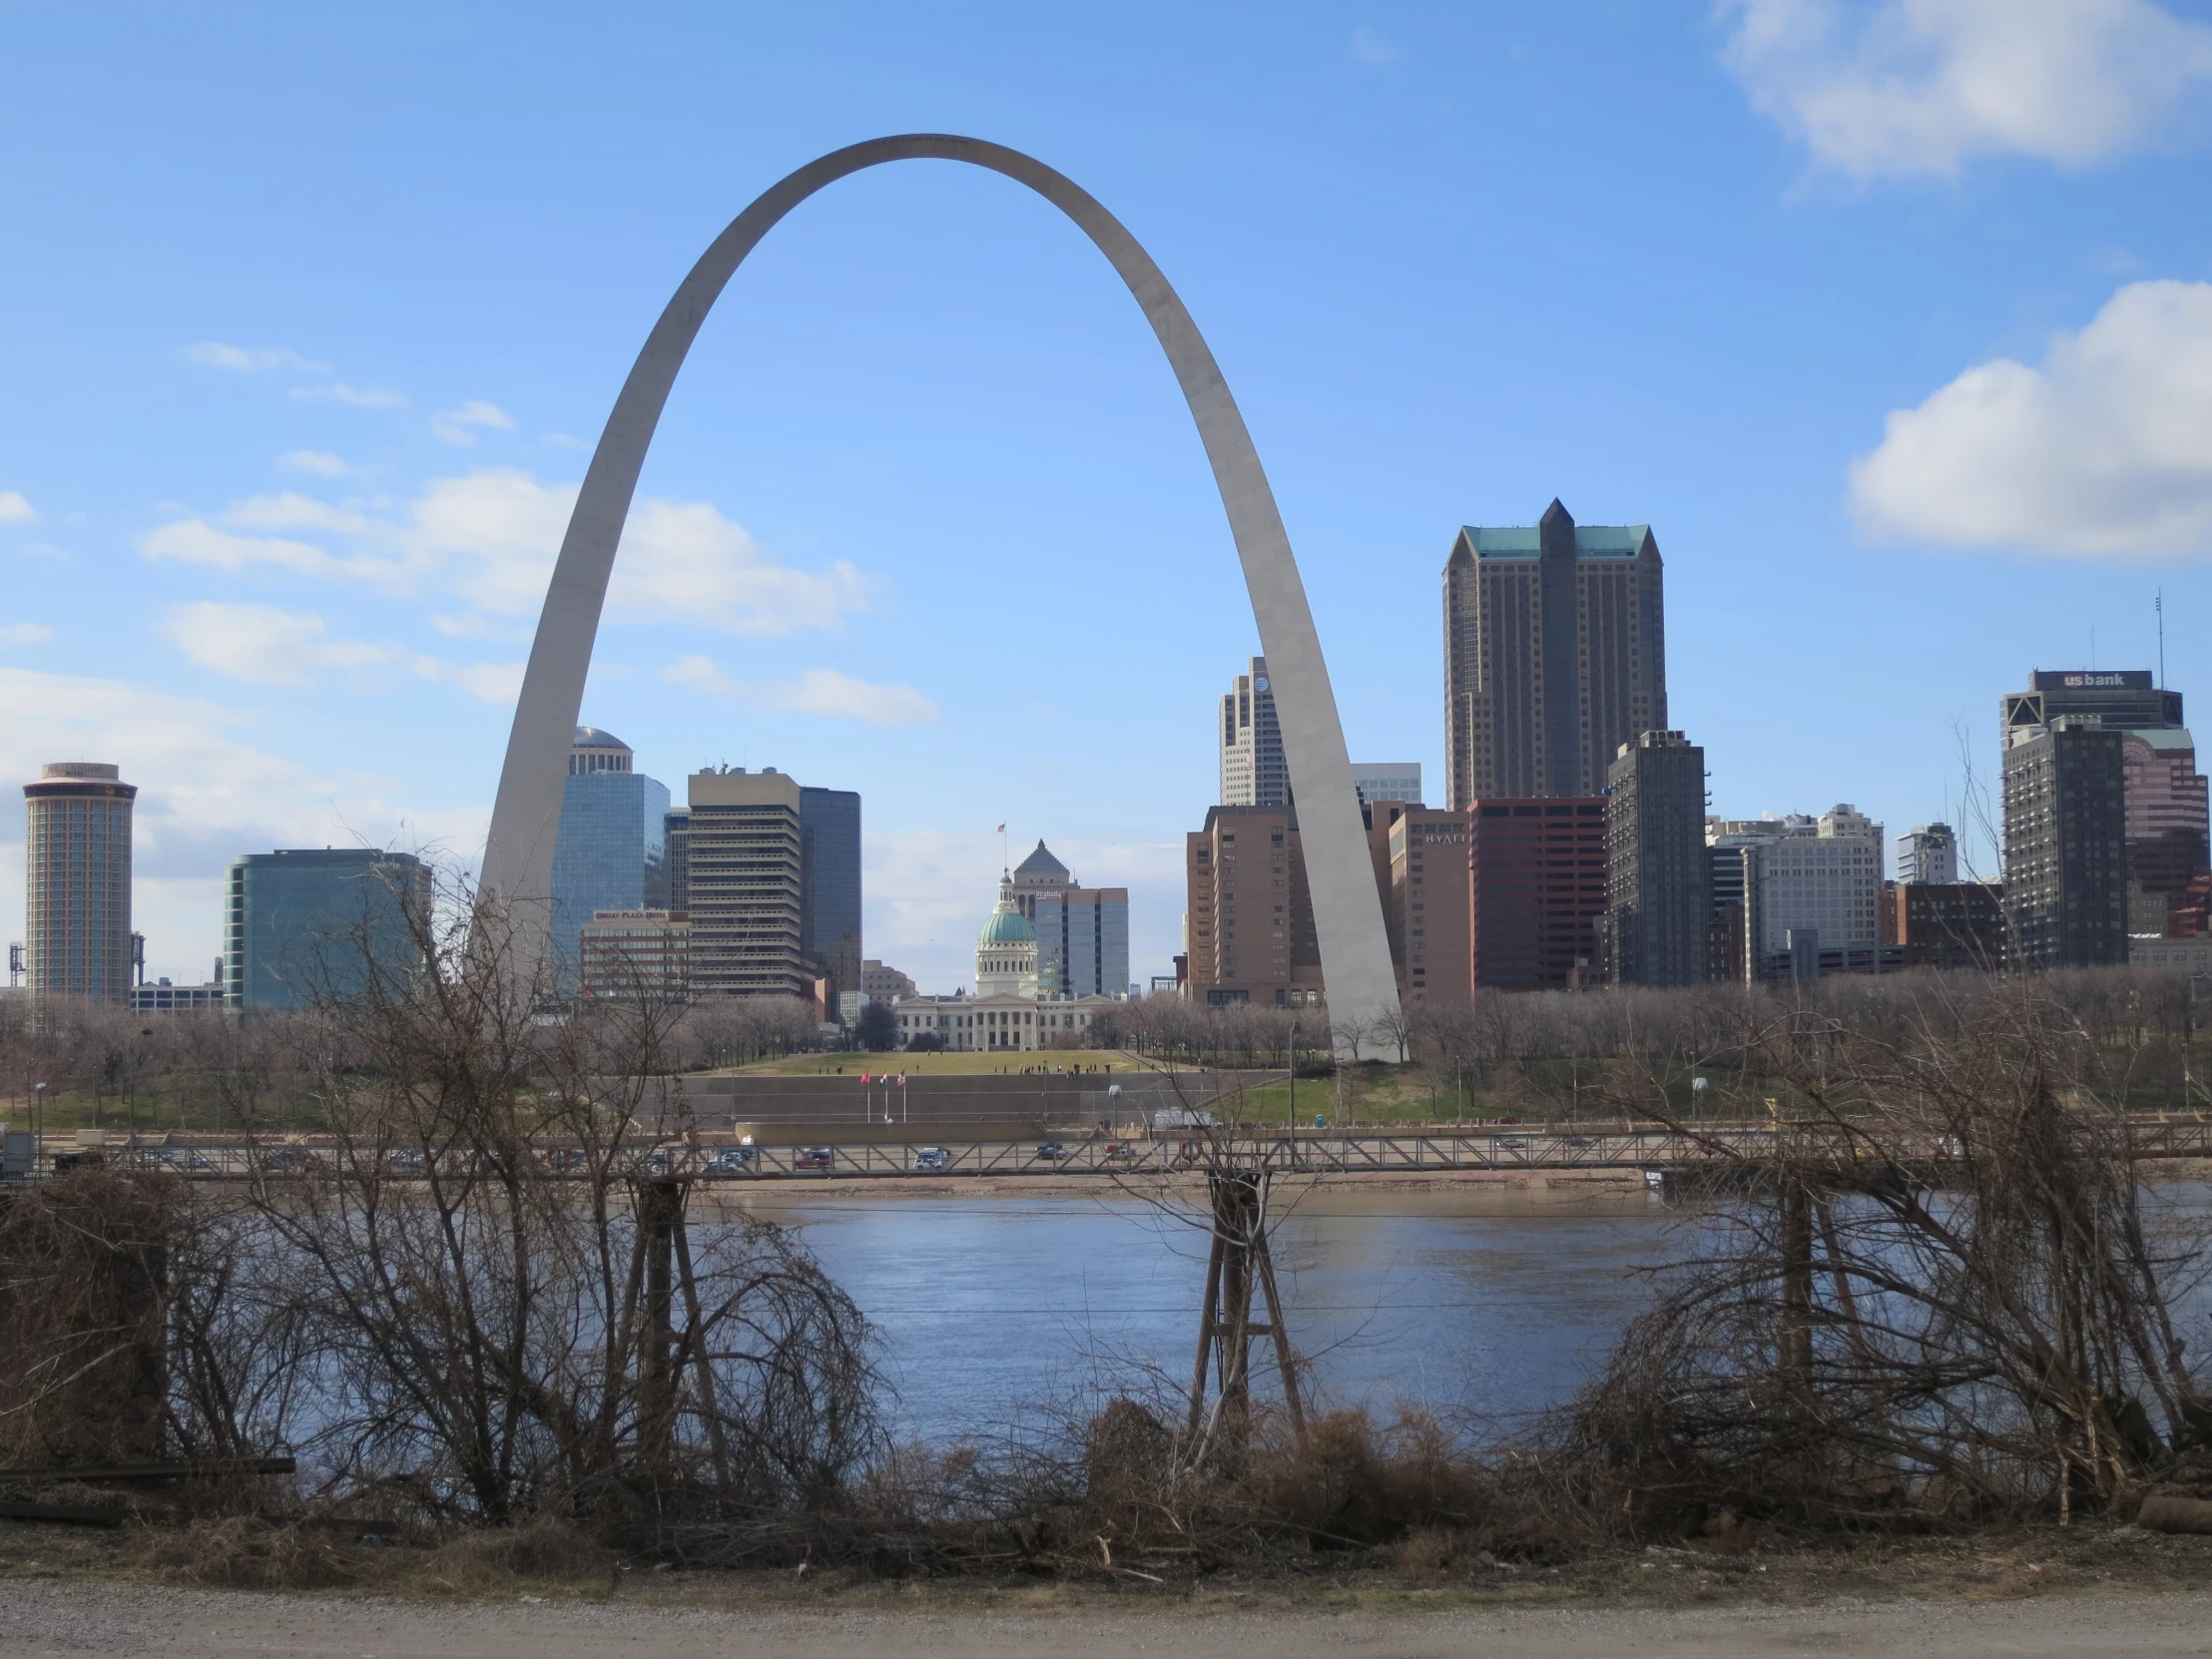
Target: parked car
{"type": "Point", "coordinates": [730, 1160]}
{"type": "Point", "coordinates": [933, 1157]}
{"type": "Point", "coordinates": [407, 1160]}
{"type": "Point", "coordinates": [1119, 1152]}
{"type": "Point", "coordinates": [661, 1160]}
{"type": "Point", "coordinates": [184, 1158]}
{"type": "Point", "coordinates": [562, 1158]}
{"type": "Point", "coordinates": [64, 1162]}
{"type": "Point", "coordinates": [815, 1157]}
{"type": "Point", "coordinates": [1052, 1152]}
{"type": "Point", "coordinates": [287, 1160]}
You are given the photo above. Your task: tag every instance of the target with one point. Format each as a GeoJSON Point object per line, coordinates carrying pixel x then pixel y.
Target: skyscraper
{"type": "Point", "coordinates": [77, 880]}
{"type": "Point", "coordinates": [309, 926]}
{"type": "Point", "coordinates": [612, 851]}
{"type": "Point", "coordinates": [1419, 855]}
{"type": "Point", "coordinates": [2126, 697]}
{"type": "Point", "coordinates": [829, 888]}
{"type": "Point", "coordinates": [1252, 770]}
{"type": "Point", "coordinates": [2167, 819]}
{"type": "Point", "coordinates": [744, 894]}
{"type": "Point", "coordinates": [1813, 902]}
{"type": "Point", "coordinates": [1727, 843]}
{"type": "Point", "coordinates": [1928, 852]}
{"type": "Point", "coordinates": [1536, 887]}
{"type": "Point", "coordinates": [2066, 843]}
{"type": "Point", "coordinates": [1659, 899]}
{"type": "Point", "coordinates": [1386, 781]}
{"type": "Point", "coordinates": [1554, 655]}
{"type": "Point", "coordinates": [1082, 932]}
{"type": "Point", "coordinates": [1249, 914]}
{"type": "Point", "coordinates": [2166, 823]}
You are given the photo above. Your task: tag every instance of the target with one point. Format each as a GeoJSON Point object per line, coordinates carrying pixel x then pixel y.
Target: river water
{"type": "Point", "coordinates": [996, 1309]}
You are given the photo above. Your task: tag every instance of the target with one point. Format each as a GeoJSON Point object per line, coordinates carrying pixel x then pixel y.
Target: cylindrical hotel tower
{"type": "Point", "coordinates": [77, 857]}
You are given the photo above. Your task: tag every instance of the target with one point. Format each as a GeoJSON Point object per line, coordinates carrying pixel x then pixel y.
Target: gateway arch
{"type": "Point", "coordinates": [1347, 914]}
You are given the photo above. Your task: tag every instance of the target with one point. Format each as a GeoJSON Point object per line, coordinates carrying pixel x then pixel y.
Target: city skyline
{"type": "Point", "coordinates": [301, 477]}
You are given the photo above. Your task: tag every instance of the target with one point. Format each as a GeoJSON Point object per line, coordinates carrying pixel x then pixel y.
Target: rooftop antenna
{"type": "Point", "coordinates": [2158, 603]}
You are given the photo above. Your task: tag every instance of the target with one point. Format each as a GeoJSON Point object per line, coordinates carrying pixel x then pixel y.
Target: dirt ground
{"type": "Point", "coordinates": [50, 1616]}
{"type": "Point", "coordinates": [2044, 1591]}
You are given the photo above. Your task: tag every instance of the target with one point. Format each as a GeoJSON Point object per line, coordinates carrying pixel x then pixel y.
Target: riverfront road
{"type": "Point", "coordinates": [1489, 1152]}
{"type": "Point", "coordinates": [80, 1617]}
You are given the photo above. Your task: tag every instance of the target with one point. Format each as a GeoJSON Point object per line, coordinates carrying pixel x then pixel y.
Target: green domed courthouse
{"type": "Point", "coordinates": [1041, 960]}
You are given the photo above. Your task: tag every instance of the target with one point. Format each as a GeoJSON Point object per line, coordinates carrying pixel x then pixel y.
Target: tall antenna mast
{"type": "Point", "coordinates": [2158, 603]}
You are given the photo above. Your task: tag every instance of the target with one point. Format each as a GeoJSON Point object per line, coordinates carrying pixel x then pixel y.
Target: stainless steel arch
{"type": "Point", "coordinates": [1347, 914]}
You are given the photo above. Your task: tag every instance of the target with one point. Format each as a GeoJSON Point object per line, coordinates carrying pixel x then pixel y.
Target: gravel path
{"type": "Point", "coordinates": [58, 1616]}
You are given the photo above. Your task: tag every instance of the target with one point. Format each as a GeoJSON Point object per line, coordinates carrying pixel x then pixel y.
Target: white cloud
{"type": "Point", "coordinates": [455, 426]}
{"type": "Point", "coordinates": [680, 561]}
{"type": "Point", "coordinates": [2107, 447]}
{"type": "Point", "coordinates": [495, 683]}
{"type": "Point", "coordinates": [1898, 88]}
{"type": "Point", "coordinates": [195, 542]}
{"type": "Point", "coordinates": [14, 509]}
{"type": "Point", "coordinates": [264, 646]}
{"type": "Point", "coordinates": [1372, 46]}
{"type": "Point", "coordinates": [25, 633]}
{"type": "Point", "coordinates": [684, 561]}
{"type": "Point", "coordinates": [294, 511]}
{"type": "Point", "coordinates": [818, 691]}
{"type": "Point", "coordinates": [503, 528]}
{"type": "Point", "coordinates": [321, 462]}
{"type": "Point", "coordinates": [360, 397]}
{"type": "Point", "coordinates": [491, 538]}
{"type": "Point", "coordinates": [251, 359]}
{"type": "Point", "coordinates": [561, 440]}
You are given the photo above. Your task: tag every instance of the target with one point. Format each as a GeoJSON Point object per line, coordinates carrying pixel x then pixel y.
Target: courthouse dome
{"type": "Point", "coordinates": [1006, 928]}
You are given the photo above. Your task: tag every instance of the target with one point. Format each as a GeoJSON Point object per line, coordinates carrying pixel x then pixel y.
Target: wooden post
{"type": "Point", "coordinates": [1208, 1316]}
{"type": "Point", "coordinates": [1793, 1347]}
{"type": "Point", "coordinates": [1239, 1263]}
{"type": "Point", "coordinates": [659, 1205]}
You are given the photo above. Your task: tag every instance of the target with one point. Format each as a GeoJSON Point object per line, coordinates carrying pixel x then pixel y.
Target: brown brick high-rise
{"type": "Point", "coordinates": [1250, 915]}
{"type": "Point", "coordinates": [1554, 655]}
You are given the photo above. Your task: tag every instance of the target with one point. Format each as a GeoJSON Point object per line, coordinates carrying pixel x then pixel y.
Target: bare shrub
{"type": "Point", "coordinates": [1945, 1290]}
{"type": "Point", "coordinates": [510, 1312]}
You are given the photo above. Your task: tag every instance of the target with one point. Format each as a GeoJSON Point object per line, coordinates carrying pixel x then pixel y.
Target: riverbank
{"type": "Point", "coordinates": [2102, 1590]}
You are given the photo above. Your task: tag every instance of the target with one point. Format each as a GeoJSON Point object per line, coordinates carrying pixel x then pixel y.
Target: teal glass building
{"type": "Point", "coordinates": [612, 853]}
{"type": "Point", "coordinates": [308, 927]}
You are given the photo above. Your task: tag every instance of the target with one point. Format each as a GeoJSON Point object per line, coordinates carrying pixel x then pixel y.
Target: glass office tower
{"type": "Point", "coordinates": [612, 849]}
{"type": "Point", "coordinates": [308, 927]}
{"type": "Point", "coordinates": [829, 886]}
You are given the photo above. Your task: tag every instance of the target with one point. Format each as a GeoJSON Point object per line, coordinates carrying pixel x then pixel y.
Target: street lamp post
{"type": "Point", "coordinates": [38, 1124]}
{"type": "Point", "coordinates": [2188, 1034]}
{"type": "Point", "coordinates": [1292, 1057]}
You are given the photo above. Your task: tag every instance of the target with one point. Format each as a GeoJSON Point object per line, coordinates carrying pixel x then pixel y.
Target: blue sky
{"type": "Point", "coordinates": [1893, 318]}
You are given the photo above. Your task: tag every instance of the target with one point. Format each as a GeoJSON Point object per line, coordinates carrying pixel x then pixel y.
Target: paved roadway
{"type": "Point", "coordinates": [1486, 1151]}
